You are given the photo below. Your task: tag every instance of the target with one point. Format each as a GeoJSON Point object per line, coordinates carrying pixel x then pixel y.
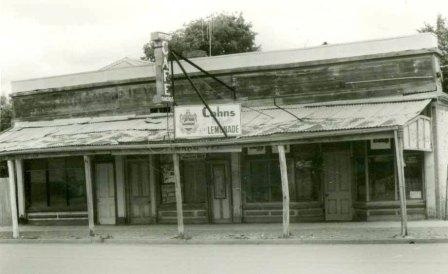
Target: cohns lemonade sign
{"type": "Point", "coordinates": [196, 121]}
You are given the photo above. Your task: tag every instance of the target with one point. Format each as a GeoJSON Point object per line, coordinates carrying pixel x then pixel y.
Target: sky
{"type": "Point", "coordinates": [40, 38]}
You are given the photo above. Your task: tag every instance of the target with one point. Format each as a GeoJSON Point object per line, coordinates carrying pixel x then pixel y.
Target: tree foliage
{"type": "Point", "coordinates": [440, 29]}
{"type": "Point", "coordinates": [230, 33]}
{"type": "Point", "coordinates": [5, 113]}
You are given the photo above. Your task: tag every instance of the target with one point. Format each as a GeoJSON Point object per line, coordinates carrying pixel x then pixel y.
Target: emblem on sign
{"type": "Point", "coordinates": [188, 122]}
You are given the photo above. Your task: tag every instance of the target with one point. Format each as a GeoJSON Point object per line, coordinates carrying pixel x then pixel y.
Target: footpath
{"type": "Point", "coordinates": [427, 231]}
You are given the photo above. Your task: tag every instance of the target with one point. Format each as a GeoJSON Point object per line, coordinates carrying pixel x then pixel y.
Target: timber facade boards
{"type": "Point", "coordinates": [381, 77]}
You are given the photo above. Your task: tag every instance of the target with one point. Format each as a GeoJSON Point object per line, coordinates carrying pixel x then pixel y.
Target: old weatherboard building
{"type": "Point", "coordinates": [359, 125]}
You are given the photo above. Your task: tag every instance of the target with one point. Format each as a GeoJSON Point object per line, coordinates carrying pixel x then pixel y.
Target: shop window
{"type": "Point", "coordinates": [263, 182]}
{"type": "Point", "coordinates": [307, 178]}
{"type": "Point", "coordinates": [55, 184]}
{"type": "Point", "coordinates": [382, 177]}
{"type": "Point", "coordinates": [413, 175]}
{"type": "Point", "coordinates": [360, 165]}
{"type": "Point", "coordinates": [360, 178]}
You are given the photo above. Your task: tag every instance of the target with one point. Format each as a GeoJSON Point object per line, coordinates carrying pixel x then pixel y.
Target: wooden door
{"type": "Point", "coordinates": [337, 179]}
{"type": "Point", "coordinates": [105, 193]}
{"type": "Point", "coordinates": [139, 192]}
{"type": "Point", "coordinates": [220, 190]}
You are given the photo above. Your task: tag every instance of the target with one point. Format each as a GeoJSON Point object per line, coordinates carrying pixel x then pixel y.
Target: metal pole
{"type": "Point", "coordinates": [206, 73]}
{"type": "Point", "coordinates": [199, 94]}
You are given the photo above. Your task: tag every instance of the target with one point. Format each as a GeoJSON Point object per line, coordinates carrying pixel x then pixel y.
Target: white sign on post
{"type": "Point", "coordinates": [195, 121]}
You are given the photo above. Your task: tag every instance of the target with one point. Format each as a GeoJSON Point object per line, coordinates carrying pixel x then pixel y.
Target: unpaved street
{"type": "Point", "coordinates": [108, 258]}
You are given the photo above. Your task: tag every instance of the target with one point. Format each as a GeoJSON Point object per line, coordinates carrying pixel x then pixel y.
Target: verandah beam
{"type": "Point", "coordinates": [12, 198]}
{"type": "Point", "coordinates": [180, 215]}
{"type": "Point", "coordinates": [285, 190]}
{"type": "Point", "coordinates": [398, 137]}
{"type": "Point", "coordinates": [89, 193]}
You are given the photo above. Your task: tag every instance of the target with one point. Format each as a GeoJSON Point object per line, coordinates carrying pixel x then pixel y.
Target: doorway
{"type": "Point", "coordinates": [337, 195]}
{"type": "Point", "coordinates": [220, 192]}
{"type": "Point", "coordinates": [139, 202]}
{"type": "Point", "coordinates": [105, 193]}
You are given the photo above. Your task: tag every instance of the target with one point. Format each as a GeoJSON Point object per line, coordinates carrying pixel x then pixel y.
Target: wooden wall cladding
{"type": "Point", "coordinates": [312, 83]}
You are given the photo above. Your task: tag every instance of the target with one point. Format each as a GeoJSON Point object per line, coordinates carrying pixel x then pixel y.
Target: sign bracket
{"type": "Point", "coordinates": [197, 92]}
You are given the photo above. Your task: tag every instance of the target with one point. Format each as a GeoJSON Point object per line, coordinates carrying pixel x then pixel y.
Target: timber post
{"type": "Point", "coordinates": [20, 190]}
{"type": "Point", "coordinates": [180, 216]}
{"type": "Point", "coordinates": [152, 187]}
{"type": "Point", "coordinates": [89, 193]}
{"type": "Point", "coordinates": [285, 190]}
{"type": "Point", "coordinates": [401, 181]}
{"type": "Point", "coordinates": [12, 197]}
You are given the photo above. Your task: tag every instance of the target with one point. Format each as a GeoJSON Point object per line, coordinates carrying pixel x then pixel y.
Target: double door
{"type": "Point", "coordinates": [209, 183]}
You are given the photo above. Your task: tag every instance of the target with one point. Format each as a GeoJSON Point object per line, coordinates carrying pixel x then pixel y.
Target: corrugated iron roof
{"type": "Point", "coordinates": [260, 121]}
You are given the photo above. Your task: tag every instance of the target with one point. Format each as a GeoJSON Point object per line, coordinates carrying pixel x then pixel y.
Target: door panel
{"type": "Point", "coordinates": [105, 193]}
{"type": "Point", "coordinates": [338, 204]}
{"type": "Point", "coordinates": [220, 192]}
{"type": "Point", "coordinates": [139, 194]}
{"type": "Point", "coordinates": [194, 183]}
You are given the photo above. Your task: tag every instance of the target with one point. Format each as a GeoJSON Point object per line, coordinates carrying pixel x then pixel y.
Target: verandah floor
{"type": "Point", "coordinates": [349, 231]}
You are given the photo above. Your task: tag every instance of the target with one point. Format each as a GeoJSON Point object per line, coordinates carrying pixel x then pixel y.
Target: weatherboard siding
{"type": "Point", "coordinates": [300, 84]}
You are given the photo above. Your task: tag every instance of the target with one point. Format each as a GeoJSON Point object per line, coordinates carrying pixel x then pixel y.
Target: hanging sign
{"type": "Point", "coordinates": [166, 95]}
{"type": "Point", "coordinates": [195, 121]}
{"type": "Point", "coordinates": [162, 68]}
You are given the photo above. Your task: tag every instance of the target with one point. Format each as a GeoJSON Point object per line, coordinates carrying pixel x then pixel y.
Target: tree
{"type": "Point", "coordinates": [229, 33]}
{"type": "Point", "coordinates": [5, 113]}
{"type": "Point", "coordinates": [441, 31]}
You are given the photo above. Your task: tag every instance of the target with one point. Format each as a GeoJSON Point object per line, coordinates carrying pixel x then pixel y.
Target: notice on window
{"type": "Point", "coordinates": [415, 194]}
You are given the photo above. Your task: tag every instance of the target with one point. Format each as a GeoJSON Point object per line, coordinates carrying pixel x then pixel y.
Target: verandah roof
{"type": "Point", "coordinates": [260, 121]}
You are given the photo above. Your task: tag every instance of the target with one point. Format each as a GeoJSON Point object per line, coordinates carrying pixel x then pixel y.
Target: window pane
{"type": "Point", "coordinates": [258, 182]}
{"type": "Point", "coordinates": [381, 178]}
{"type": "Point", "coordinates": [275, 182]}
{"type": "Point", "coordinates": [76, 189]}
{"type": "Point", "coordinates": [307, 180]}
{"type": "Point", "coordinates": [413, 176]}
{"type": "Point", "coordinates": [37, 189]}
{"type": "Point", "coordinates": [57, 184]}
{"type": "Point", "coordinates": [360, 175]}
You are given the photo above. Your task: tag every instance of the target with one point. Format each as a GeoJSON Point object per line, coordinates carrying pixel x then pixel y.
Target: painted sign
{"type": "Point", "coordinates": [197, 122]}
{"type": "Point", "coordinates": [166, 95]}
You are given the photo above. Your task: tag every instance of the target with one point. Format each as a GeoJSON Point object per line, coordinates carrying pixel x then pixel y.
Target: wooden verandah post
{"type": "Point", "coordinates": [13, 200]}
{"type": "Point", "coordinates": [20, 189]}
{"type": "Point", "coordinates": [89, 192]}
{"type": "Point", "coordinates": [398, 137]}
{"type": "Point", "coordinates": [180, 215]}
{"type": "Point", "coordinates": [285, 190]}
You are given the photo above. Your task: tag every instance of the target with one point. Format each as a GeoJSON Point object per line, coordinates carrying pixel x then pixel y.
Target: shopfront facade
{"type": "Point", "coordinates": [337, 119]}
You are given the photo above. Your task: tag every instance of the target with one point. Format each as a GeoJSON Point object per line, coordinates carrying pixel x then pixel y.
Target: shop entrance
{"type": "Point", "coordinates": [139, 207]}
{"type": "Point", "coordinates": [105, 193]}
{"type": "Point", "coordinates": [220, 192]}
{"type": "Point", "coordinates": [338, 204]}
